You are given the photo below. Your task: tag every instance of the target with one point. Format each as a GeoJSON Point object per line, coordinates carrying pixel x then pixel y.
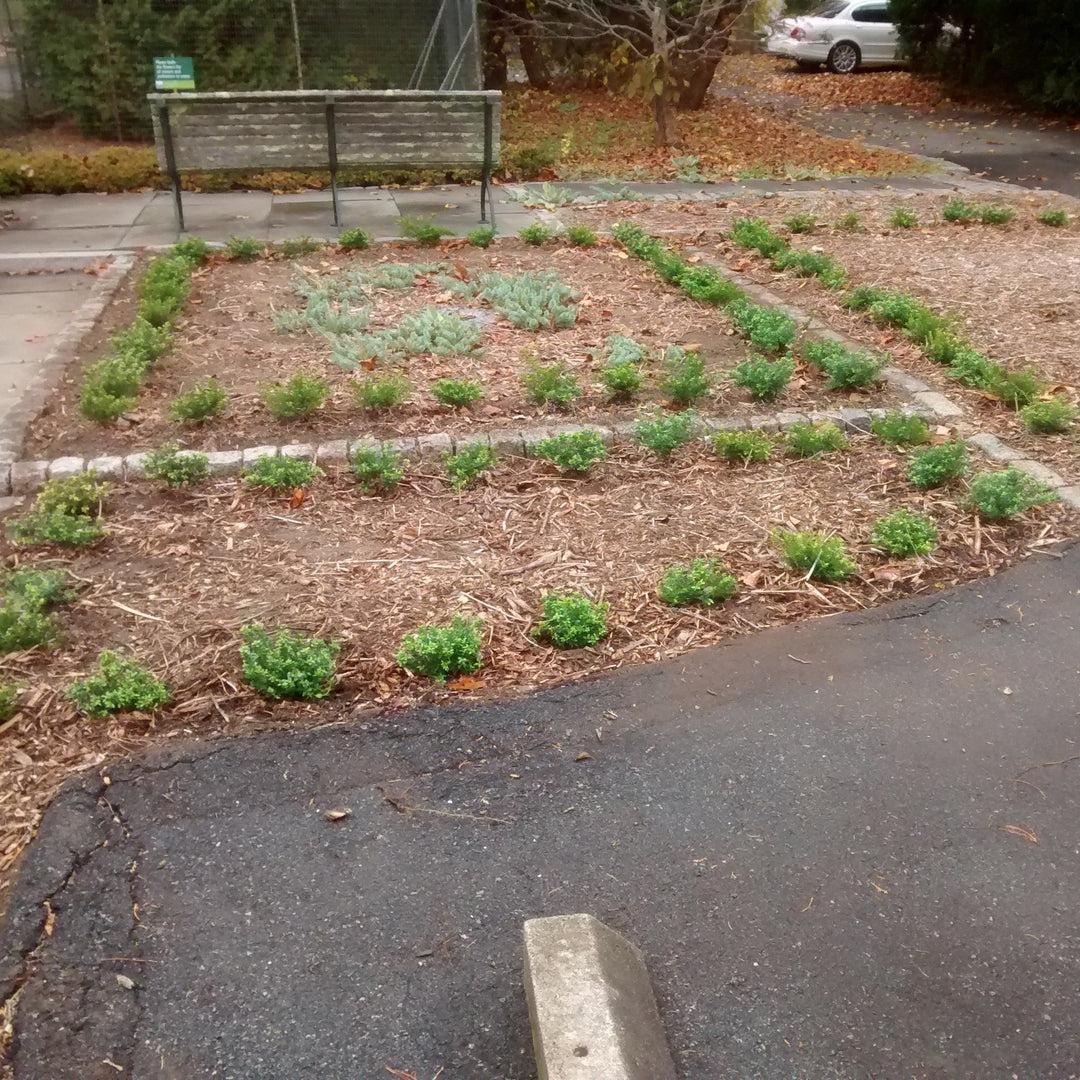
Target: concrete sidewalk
{"type": "Point", "coordinates": [847, 849]}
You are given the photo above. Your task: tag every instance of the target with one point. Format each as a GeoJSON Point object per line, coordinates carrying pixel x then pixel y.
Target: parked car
{"type": "Point", "coordinates": [845, 35]}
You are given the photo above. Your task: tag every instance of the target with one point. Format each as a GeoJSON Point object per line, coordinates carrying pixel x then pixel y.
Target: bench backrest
{"type": "Point", "coordinates": [292, 129]}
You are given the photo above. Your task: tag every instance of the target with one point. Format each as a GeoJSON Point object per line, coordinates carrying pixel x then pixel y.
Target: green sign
{"type": "Point", "coordinates": [174, 73]}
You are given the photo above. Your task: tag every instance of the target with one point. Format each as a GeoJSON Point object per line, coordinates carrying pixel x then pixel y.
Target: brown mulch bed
{"type": "Point", "coordinates": [180, 573]}
{"type": "Point", "coordinates": [228, 333]}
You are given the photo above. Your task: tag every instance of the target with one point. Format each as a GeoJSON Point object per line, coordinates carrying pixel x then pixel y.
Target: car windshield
{"type": "Point", "coordinates": [829, 10]}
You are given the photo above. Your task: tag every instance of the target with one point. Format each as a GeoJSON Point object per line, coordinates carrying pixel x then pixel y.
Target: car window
{"type": "Point", "coordinates": [871, 15]}
{"type": "Point", "coordinates": [829, 10]}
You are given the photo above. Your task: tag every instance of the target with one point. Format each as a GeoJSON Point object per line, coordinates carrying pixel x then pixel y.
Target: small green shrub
{"type": "Point", "coordinates": [817, 554]}
{"type": "Point", "coordinates": [900, 428]}
{"type": "Point", "coordinates": [756, 233]}
{"type": "Point", "coordinates": [767, 328]}
{"type": "Point", "coordinates": [800, 223]}
{"type": "Point", "coordinates": [9, 701]}
{"type": "Point", "coordinates": [482, 237]}
{"type": "Point", "coordinates": [850, 222]}
{"type": "Point", "coordinates": [572, 620]}
{"type": "Point", "coordinates": [175, 466]}
{"type": "Point", "coordinates": [957, 209]}
{"type": "Point", "coordinates": [581, 236]}
{"type": "Point", "coordinates": [527, 161]}
{"type": "Point", "coordinates": [996, 215]}
{"type": "Point", "coordinates": [847, 369]}
{"type": "Point", "coordinates": [243, 248]}
{"type": "Point", "coordinates": [535, 234]}
{"type": "Point", "coordinates": [573, 451]}
{"type": "Point", "coordinates": [119, 685]}
{"type": "Point", "coordinates": [200, 403]}
{"type": "Point", "coordinates": [550, 384]}
{"type": "Point", "coordinates": [441, 333]}
{"type": "Point", "coordinates": [192, 248]}
{"type": "Point", "coordinates": [288, 665]}
{"type": "Point", "coordinates": [81, 496]}
{"type": "Point", "coordinates": [685, 378]}
{"type": "Point", "coordinates": [530, 300]}
{"type": "Point", "coordinates": [56, 527]}
{"type": "Point", "coordinates": [904, 533]}
{"type": "Point", "coordinates": [165, 283]}
{"type": "Point", "coordinates": [280, 473]}
{"type": "Point", "coordinates": [764, 378]}
{"type": "Point", "coordinates": [665, 434]}
{"type": "Point", "coordinates": [745, 446]}
{"type": "Point", "coordinates": [810, 440]}
{"type": "Point", "coordinates": [708, 286]}
{"type": "Point", "coordinates": [354, 239]}
{"type": "Point", "coordinates": [457, 393]}
{"type": "Point", "coordinates": [382, 392]}
{"type": "Point", "coordinates": [299, 395]}
{"type": "Point", "coordinates": [300, 245]}
{"type": "Point", "coordinates": [935, 464]}
{"type": "Point", "coordinates": [468, 463]}
{"type": "Point", "coordinates": [904, 217]}
{"type": "Point", "coordinates": [25, 598]}
{"type": "Point", "coordinates": [102, 405]}
{"type": "Point", "coordinates": [440, 652]}
{"type": "Point", "coordinates": [1056, 219]}
{"type": "Point", "coordinates": [703, 581]}
{"type": "Point", "coordinates": [1003, 494]}
{"type": "Point", "coordinates": [1054, 415]}
{"type": "Point", "coordinates": [863, 297]}
{"type": "Point", "coordinates": [1016, 388]}
{"type": "Point", "coordinates": [972, 367]}
{"type": "Point", "coordinates": [812, 264]}
{"type": "Point", "coordinates": [377, 468]}
{"type": "Point", "coordinates": [942, 346]}
{"type": "Point", "coordinates": [423, 231]}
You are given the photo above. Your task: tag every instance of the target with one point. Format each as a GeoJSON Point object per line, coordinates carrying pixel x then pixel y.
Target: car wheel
{"type": "Point", "coordinates": [844, 58]}
{"type": "Point", "coordinates": [807, 65]}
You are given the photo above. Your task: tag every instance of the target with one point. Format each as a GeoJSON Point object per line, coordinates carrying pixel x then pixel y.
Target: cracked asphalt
{"type": "Point", "coordinates": [848, 849]}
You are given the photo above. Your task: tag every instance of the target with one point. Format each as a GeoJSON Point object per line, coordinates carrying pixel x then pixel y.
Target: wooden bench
{"type": "Point", "coordinates": [328, 129]}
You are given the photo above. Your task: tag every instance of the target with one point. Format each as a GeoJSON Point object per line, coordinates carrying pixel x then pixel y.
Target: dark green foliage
{"type": "Point", "coordinates": [755, 233]}
{"type": "Point", "coordinates": [440, 652]}
{"type": "Point", "coordinates": [200, 403]}
{"type": "Point", "coordinates": [176, 467]}
{"type": "Point", "coordinates": [943, 346]}
{"type": "Point", "coordinates": [529, 160]}
{"type": "Point", "coordinates": [423, 231]}
{"type": "Point", "coordinates": [904, 533]}
{"type": "Point", "coordinates": [664, 434]}
{"type": "Point", "coordinates": [56, 527]}
{"type": "Point", "coordinates": [1054, 218]}
{"type": "Point", "coordinates": [573, 451]}
{"type": "Point", "coordinates": [9, 701]}
{"type": "Point", "coordinates": [550, 384]}
{"type": "Point", "coordinates": [898, 309]}
{"type": "Point", "coordinates": [996, 215]}
{"type": "Point", "coordinates": [382, 392]}
{"type": "Point", "coordinates": [280, 473]}
{"type": "Point", "coordinates": [972, 367]}
{"type": "Point", "coordinates": [166, 282]}
{"type": "Point", "coordinates": [847, 369]}
{"type": "Point", "coordinates": [863, 297]}
{"type": "Point", "coordinates": [25, 599]}
{"type": "Point", "coordinates": [457, 392]}
{"type": "Point", "coordinates": [745, 446]}
{"type": "Point", "coordinates": [300, 245]}
{"type": "Point", "coordinates": [299, 395]}
{"type": "Point", "coordinates": [482, 237]}
{"type": "Point", "coordinates": [243, 248]}
{"type": "Point", "coordinates": [957, 209]}
{"type": "Point", "coordinates": [800, 223]}
{"type": "Point", "coordinates": [377, 468]}
{"type": "Point", "coordinates": [1006, 493]}
{"type": "Point", "coordinates": [703, 581]}
{"type": "Point", "coordinates": [468, 463]}
{"type": "Point", "coordinates": [572, 620]}
{"type": "Point", "coordinates": [817, 554]}
{"type": "Point", "coordinates": [581, 236]}
{"type": "Point", "coordinates": [120, 684]}
{"type": "Point", "coordinates": [900, 428]}
{"type": "Point", "coordinates": [355, 239]}
{"type": "Point", "coordinates": [936, 464]}
{"type": "Point", "coordinates": [767, 328]}
{"type": "Point", "coordinates": [903, 217]}
{"type": "Point", "coordinates": [288, 665]}
{"type": "Point", "coordinates": [709, 286]}
{"type": "Point", "coordinates": [1016, 388]}
{"type": "Point", "coordinates": [535, 234]}
{"type": "Point", "coordinates": [764, 378]}
{"type": "Point", "coordinates": [685, 378]}
{"type": "Point", "coordinates": [1054, 415]}
{"type": "Point", "coordinates": [812, 440]}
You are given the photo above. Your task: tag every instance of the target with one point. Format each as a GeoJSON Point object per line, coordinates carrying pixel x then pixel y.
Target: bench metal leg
{"type": "Point", "coordinates": [170, 165]}
{"type": "Point", "coordinates": [485, 179]}
{"type": "Point", "coordinates": [331, 156]}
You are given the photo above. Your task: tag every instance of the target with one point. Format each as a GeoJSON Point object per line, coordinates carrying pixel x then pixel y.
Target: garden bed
{"type": "Point", "coordinates": [228, 332]}
{"type": "Point", "coordinates": [179, 573]}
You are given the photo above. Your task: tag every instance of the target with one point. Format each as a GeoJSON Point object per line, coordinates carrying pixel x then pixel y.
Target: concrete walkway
{"type": "Point", "coordinates": [847, 850]}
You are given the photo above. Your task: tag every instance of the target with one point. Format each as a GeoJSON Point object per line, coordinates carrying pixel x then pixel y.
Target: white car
{"type": "Point", "coordinates": [843, 34]}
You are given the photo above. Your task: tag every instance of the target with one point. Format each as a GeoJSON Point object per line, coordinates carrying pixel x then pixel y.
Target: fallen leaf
{"type": "Point", "coordinates": [125, 982]}
{"type": "Point", "coordinates": [584, 756]}
{"type": "Point", "coordinates": [339, 814]}
{"type": "Point", "coordinates": [466, 682]}
{"type": "Point", "coordinates": [297, 498]}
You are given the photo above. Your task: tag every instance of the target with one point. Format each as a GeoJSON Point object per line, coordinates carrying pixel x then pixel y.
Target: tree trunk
{"type": "Point", "coordinates": [494, 40]}
{"type": "Point", "coordinates": [696, 81]}
{"type": "Point", "coordinates": [663, 122]}
{"type": "Point", "coordinates": [533, 58]}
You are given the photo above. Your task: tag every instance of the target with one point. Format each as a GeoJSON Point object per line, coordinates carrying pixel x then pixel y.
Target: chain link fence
{"type": "Point", "coordinates": [91, 60]}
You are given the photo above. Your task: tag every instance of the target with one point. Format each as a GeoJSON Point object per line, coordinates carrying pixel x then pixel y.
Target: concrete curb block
{"type": "Point", "coordinates": [591, 1005]}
